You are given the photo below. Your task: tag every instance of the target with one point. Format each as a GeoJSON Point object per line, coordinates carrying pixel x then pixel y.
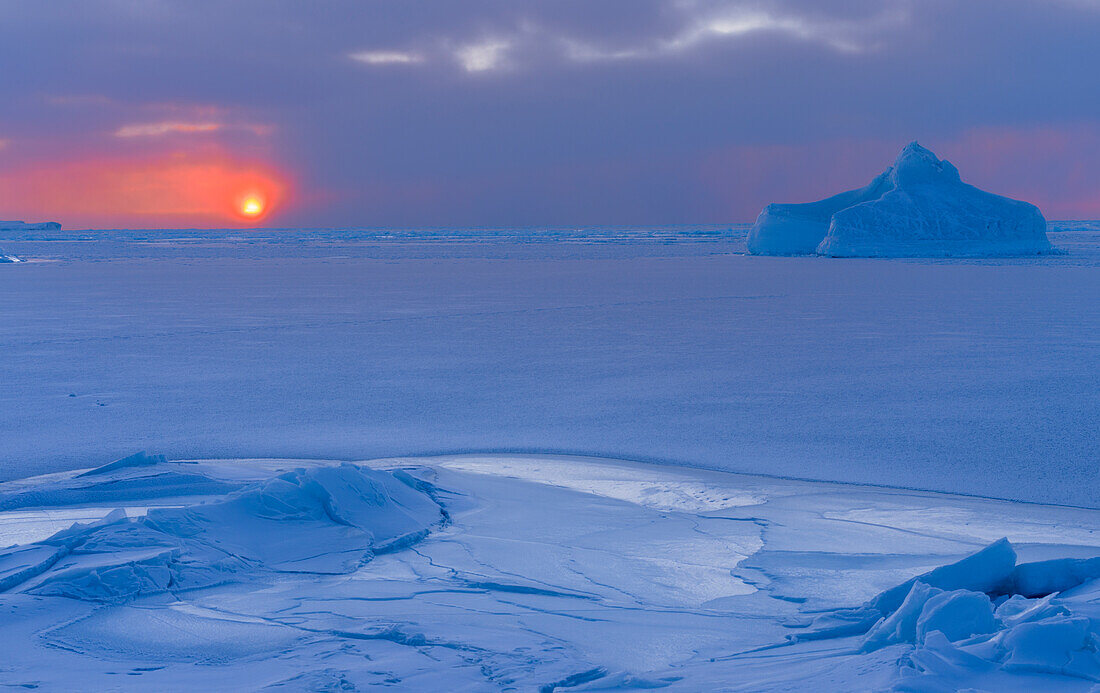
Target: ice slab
{"type": "Point", "coordinates": [316, 520]}
{"type": "Point", "coordinates": [987, 570]}
{"type": "Point", "coordinates": [1056, 575]}
{"type": "Point", "coordinates": [138, 459]}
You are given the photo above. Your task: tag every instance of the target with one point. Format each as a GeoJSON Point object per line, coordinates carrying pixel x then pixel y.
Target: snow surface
{"type": "Point", "coordinates": [539, 573]}
{"type": "Point", "coordinates": [138, 459]}
{"type": "Point", "coordinates": [324, 520]}
{"type": "Point", "coordinates": [532, 572]}
{"type": "Point", "coordinates": [976, 376]}
{"type": "Point", "coordinates": [917, 207]}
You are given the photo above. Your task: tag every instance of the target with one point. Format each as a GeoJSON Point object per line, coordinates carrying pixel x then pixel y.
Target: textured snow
{"type": "Point", "coordinates": [138, 459]}
{"type": "Point", "coordinates": [320, 520]}
{"type": "Point", "coordinates": [917, 207]}
{"type": "Point", "coordinates": [527, 582]}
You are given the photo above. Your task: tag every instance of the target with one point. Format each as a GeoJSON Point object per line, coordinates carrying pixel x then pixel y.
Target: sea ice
{"type": "Point", "coordinates": [547, 571]}
{"type": "Point", "coordinates": [901, 625]}
{"type": "Point", "coordinates": [326, 520]}
{"type": "Point", "coordinates": [947, 616]}
{"type": "Point", "coordinates": [174, 634]}
{"type": "Point", "coordinates": [986, 571]}
{"type": "Point", "coordinates": [664, 346]}
{"type": "Point", "coordinates": [957, 614]}
{"type": "Point", "coordinates": [1017, 609]}
{"type": "Point", "coordinates": [145, 484]}
{"type": "Point", "coordinates": [919, 207]}
{"type": "Point", "coordinates": [1056, 575]}
{"type": "Point", "coordinates": [1060, 645]}
{"type": "Point", "coordinates": [138, 459]}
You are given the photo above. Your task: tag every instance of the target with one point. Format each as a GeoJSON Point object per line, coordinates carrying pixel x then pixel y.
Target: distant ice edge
{"type": "Point", "coordinates": [919, 207]}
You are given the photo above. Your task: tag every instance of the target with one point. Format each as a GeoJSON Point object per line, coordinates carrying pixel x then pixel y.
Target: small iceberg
{"type": "Point", "coordinates": [919, 207]}
{"type": "Point", "coordinates": [32, 226]}
{"type": "Point", "coordinates": [8, 258]}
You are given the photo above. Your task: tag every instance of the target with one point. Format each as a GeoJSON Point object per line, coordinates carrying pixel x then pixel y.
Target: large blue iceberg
{"type": "Point", "coordinates": [919, 207]}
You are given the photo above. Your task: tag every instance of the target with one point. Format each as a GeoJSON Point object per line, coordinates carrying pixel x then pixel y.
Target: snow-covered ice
{"type": "Point", "coordinates": [323, 520]}
{"type": "Point", "coordinates": [629, 576]}
{"type": "Point", "coordinates": [917, 207]}
{"type": "Point", "coordinates": [662, 344]}
{"type": "Point", "coordinates": [225, 559]}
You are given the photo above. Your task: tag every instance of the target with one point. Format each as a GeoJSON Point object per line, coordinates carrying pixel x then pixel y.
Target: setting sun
{"type": "Point", "coordinates": [252, 206]}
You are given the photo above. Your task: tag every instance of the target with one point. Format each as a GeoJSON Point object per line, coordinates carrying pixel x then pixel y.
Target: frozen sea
{"type": "Point", "coordinates": [669, 344]}
{"type": "Point", "coordinates": [552, 460]}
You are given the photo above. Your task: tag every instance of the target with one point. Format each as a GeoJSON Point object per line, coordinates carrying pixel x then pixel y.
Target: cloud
{"type": "Point", "coordinates": [852, 35]}
{"type": "Point", "coordinates": [530, 41]}
{"type": "Point", "coordinates": [387, 57]}
{"type": "Point", "coordinates": [4, 144]}
{"type": "Point", "coordinates": [472, 56]}
{"type": "Point", "coordinates": [742, 23]}
{"type": "Point", "coordinates": [80, 100]}
{"type": "Point", "coordinates": [165, 128]}
{"type": "Point", "coordinates": [483, 56]}
{"type": "Point", "coordinates": [175, 127]}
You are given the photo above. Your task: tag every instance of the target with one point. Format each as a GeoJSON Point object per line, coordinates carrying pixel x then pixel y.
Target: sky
{"type": "Point", "coordinates": [147, 113]}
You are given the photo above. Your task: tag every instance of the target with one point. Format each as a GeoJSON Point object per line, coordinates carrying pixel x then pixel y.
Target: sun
{"type": "Point", "coordinates": [254, 201]}
{"type": "Point", "coordinates": [252, 206]}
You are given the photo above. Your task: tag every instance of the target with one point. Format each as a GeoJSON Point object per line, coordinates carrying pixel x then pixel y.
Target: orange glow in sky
{"type": "Point", "coordinates": [176, 190]}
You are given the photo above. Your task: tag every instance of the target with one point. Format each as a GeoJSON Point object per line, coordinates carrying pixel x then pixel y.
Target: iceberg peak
{"type": "Point", "coordinates": [916, 164]}
{"type": "Point", "coordinates": [919, 207]}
